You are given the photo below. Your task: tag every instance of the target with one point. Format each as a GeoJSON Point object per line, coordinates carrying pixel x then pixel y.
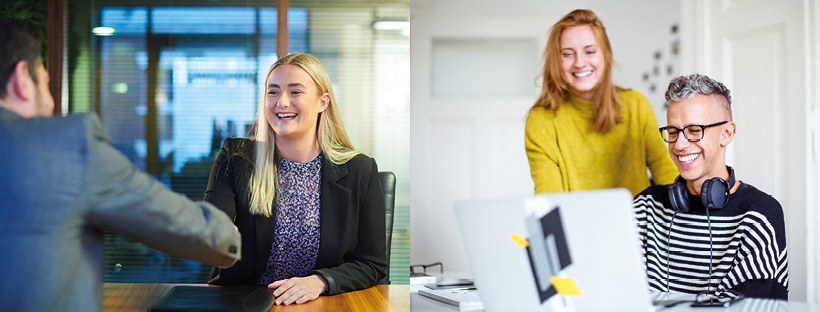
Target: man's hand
{"type": "Point", "coordinates": [234, 260]}
{"type": "Point", "coordinates": [298, 290]}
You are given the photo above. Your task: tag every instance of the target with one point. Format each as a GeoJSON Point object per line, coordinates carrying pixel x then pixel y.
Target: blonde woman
{"type": "Point", "coordinates": [310, 208]}
{"type": "Point", "coordinates": [583, 132]}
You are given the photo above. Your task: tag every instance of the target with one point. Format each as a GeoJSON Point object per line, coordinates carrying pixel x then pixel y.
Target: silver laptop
{"type": "Point", "coordinates": [521, 249]}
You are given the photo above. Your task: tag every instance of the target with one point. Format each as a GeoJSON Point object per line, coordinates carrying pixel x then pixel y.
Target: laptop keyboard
{"type": "Point", "coordinates": [459, 298]}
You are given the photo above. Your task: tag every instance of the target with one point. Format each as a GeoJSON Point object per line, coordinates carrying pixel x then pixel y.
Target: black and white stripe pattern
{"type": "Point", "coordinates": [744, 247]}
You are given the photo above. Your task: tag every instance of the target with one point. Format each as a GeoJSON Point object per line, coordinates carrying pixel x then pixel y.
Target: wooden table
{"type": "Point", "coordinates": [138, 297]}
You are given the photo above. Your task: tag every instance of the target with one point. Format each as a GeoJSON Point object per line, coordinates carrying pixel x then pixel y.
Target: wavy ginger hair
{"type": "Point", "coordinates": [555, 88]}
{"type": "Point", "coordinates": [331, 136]}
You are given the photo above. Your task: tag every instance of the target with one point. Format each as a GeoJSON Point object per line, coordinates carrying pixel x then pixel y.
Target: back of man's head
{"type": "Point", "coordinates": [19, 41]}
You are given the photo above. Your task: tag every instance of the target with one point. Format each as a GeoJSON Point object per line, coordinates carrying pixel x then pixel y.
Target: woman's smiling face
{"type": "Point", "coordinates": [582, 60]}
{"type": "Point", "coordinates": [294, 103]}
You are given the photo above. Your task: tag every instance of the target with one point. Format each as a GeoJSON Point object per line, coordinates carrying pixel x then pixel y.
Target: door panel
{"type": "Point", "coordinates": [473, 81]}
{"type": "Point", "coordinates": [759, 107]}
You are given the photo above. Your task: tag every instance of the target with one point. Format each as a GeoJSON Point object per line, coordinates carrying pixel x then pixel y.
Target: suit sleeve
{"type": "Point", "coordinates": [369, 262]}
{"type": "Point", "coordinates": [657, 156]}
{"type": "Point", "coordinates": [541, 147]}
{"type": "Point", "coordinates": [134, 205]}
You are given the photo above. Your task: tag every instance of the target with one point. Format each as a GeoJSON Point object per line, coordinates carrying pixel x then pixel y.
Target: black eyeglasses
{"type": "Point", "coordinates": [692, 133]}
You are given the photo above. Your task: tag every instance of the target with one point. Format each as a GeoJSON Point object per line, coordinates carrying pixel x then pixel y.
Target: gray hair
{"type": "Point", "coordinates": [684, 88]}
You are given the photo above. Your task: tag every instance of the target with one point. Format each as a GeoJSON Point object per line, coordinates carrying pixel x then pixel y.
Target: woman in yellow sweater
{"type": "Point", "coordinates": [584, 132]}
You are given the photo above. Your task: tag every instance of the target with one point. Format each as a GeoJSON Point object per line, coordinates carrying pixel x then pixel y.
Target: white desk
{"type": "Point", "coordinates": [418, 303]}
{"type": "Point", "coordinates": [424, 304]}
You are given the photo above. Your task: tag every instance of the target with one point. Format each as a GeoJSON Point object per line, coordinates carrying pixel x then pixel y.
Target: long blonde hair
{"type": "Point", "coordinates": [331, 136]}
{"type": "Point", "coordinates": [555, 88]}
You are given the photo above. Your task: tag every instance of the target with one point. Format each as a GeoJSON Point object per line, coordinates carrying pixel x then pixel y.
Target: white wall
{"type": "Point", "coordinates": [453, 154]}
{"type": "Point", "coordinates": [637, 30]}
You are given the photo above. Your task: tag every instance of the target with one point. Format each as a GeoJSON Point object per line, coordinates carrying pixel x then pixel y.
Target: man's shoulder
{"type": "Point", "coordinates": [58, 133]}
{"type": "Point", "coordinates": [654, 191]}
{"type": "Point", "coordinates": [11, 120]}
{"type": "Point", "coordinates": [653, 197]}
{"type": "Point", "coordinates": [753, 199]}
{"type": "Point", "coordinates": [748, 190]}
{"type": "Point", "coordinates": [48, 161]}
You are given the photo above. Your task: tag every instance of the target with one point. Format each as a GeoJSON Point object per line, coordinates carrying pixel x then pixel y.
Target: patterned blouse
{"type": "Point", "coordinates": [296, 237]}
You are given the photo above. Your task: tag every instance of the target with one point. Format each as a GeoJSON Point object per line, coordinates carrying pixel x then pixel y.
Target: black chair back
{"type": "Point", "coordinates": [388, 180]}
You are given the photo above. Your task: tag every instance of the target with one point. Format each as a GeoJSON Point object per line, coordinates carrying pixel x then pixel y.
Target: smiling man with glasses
{"type": "Point", "coordinates": [709, 233]}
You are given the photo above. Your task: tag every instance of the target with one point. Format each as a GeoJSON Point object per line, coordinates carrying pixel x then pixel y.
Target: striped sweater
{"type": "Point", "coordinates": [748, 244]}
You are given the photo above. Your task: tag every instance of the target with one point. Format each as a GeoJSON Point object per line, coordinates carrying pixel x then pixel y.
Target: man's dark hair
{"type": "Point", "coordinates": [19, 41]}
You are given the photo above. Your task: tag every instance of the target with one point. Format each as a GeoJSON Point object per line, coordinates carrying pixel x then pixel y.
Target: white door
{"type": "Point", "coordinates": [758, 50]}
{"type": "Point", "coordinates": [472, 82]}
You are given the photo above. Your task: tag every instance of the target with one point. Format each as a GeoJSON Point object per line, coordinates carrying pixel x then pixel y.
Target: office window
{"type": "Point", "coordinates": [173, 82]}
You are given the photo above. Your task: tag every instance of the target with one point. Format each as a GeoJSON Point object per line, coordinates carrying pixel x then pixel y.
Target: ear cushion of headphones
{"type": "Point", "coordinates": [714, 193]}
{"type": "Point", "coordinates": [679, 196]}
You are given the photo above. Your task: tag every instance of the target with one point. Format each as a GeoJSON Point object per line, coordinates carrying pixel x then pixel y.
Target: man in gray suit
{"type": "Point", "coordinates": [62, 186]}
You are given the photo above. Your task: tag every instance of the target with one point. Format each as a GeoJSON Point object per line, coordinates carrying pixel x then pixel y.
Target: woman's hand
{"type": "Point", "coordinates": [298, 290]}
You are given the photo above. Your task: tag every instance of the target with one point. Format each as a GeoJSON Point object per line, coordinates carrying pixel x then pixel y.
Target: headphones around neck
{"type": "Point", "coordinates": [714, 194]}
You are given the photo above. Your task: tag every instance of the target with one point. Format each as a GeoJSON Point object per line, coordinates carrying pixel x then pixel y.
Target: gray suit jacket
{"type": "Point", "coordinates": [62, 186]}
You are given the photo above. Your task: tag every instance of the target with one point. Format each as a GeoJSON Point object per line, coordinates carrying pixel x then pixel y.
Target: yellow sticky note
{"type": "Point", "coordinates": [519, 241]}
{"type": "Point", "coordinates": [565, 286]}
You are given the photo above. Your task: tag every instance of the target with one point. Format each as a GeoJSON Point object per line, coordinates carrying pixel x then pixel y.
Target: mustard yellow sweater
{"type": "Point", "coordinates": [565, 154]}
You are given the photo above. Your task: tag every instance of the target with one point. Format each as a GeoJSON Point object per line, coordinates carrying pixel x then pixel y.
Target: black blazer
{"type": "Point", "coordinates": [351, 252]}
